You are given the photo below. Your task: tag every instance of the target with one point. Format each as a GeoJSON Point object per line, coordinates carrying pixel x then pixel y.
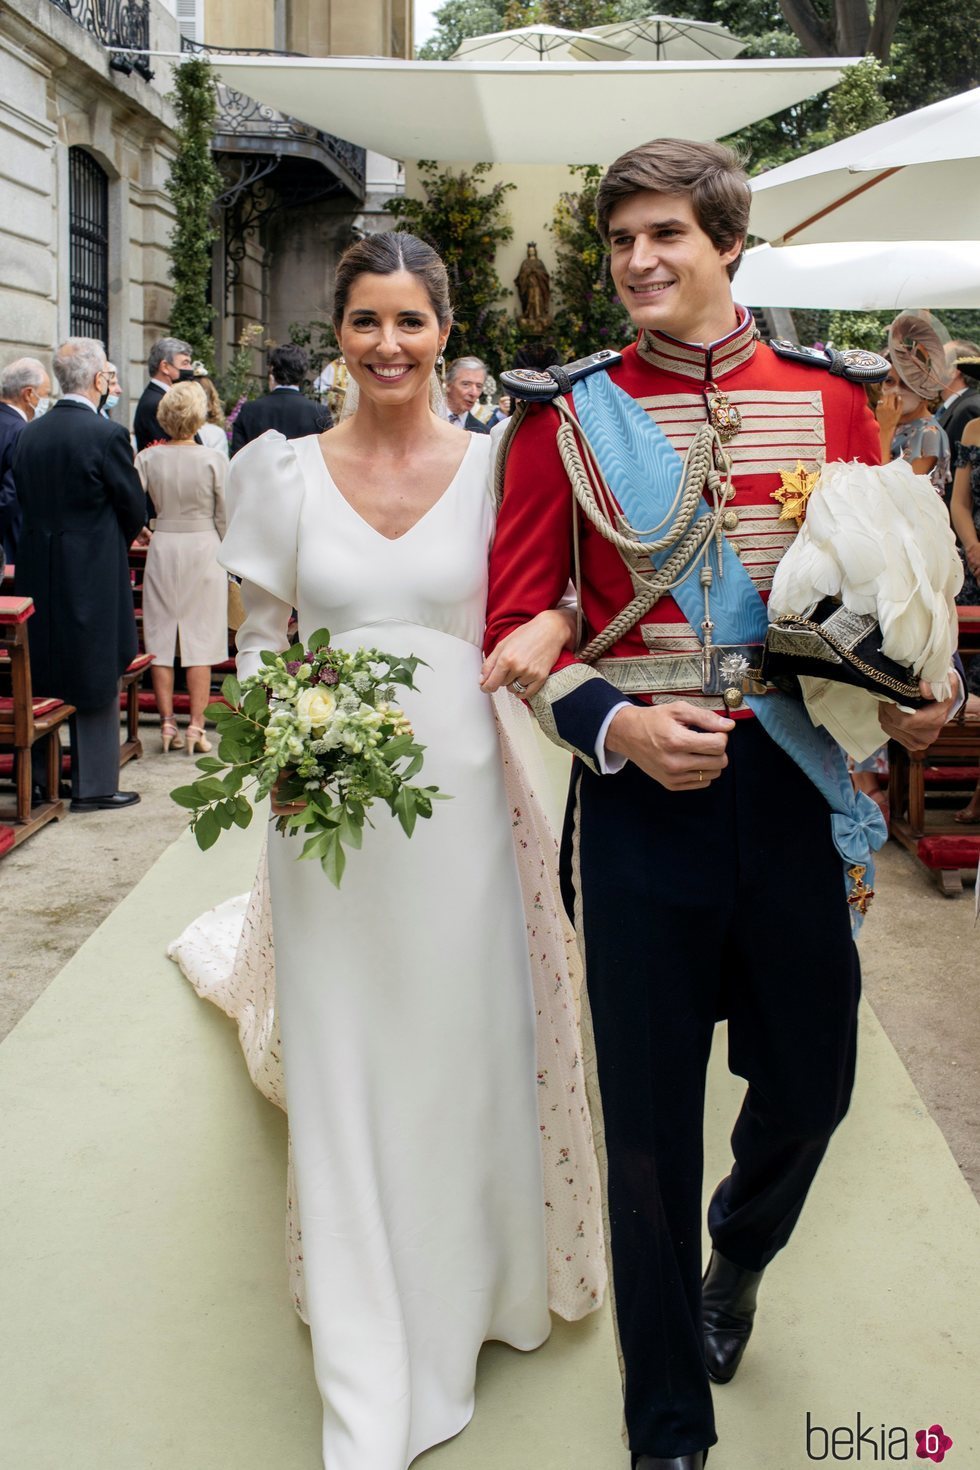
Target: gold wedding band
{"type": "Point", "coordinates": [700, 775]}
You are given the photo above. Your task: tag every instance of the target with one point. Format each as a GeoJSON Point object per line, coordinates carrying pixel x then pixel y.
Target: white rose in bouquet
{"type": "Point", "coordinates": [315, 708]}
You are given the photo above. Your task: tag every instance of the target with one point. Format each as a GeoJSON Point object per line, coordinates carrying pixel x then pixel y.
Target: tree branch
{"type": "Point", "coordinates": [883, 29]}
{"type": "Point", "coordinates": [852, 26]}
{"type": "Point", "coordinates": [808, 27]}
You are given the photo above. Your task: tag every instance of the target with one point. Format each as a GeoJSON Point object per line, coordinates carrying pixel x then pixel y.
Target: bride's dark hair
{"type": "Point", "coordinates": [383, 255]}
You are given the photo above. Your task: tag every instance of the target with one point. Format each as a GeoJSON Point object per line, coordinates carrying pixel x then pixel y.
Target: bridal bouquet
{"type": "Point", "coordinates": [322, 724]}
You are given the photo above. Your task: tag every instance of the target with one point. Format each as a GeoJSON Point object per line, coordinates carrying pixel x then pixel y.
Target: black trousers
{"type": "Point", "coordinates": [696, 905]}
{"type": "Point", "coordinates": [95, 746]}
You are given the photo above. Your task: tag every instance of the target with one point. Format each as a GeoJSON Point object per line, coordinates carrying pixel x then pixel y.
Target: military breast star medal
{"type": "Point", "coordinates": [794, 492]}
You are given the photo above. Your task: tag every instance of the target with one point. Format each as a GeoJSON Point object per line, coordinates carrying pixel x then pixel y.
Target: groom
{"type": "Point", "coordinates": [697, 854]}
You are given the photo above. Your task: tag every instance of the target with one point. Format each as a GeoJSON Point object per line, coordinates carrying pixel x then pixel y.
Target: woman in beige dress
{"type": "Point", "coordinates": [185, 591]}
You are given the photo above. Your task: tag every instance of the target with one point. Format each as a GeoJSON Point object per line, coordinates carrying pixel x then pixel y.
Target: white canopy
{"type": "Point", "coordinates": [862, 276]}
{"type": "Point", "coordinates": [916, 174]}
{"type": "Point", "coordinates": [671, 38]}
{"type": "Point", "coordinates": [538, 43]}
{"type": "Point", "coordinates": [517, 112]}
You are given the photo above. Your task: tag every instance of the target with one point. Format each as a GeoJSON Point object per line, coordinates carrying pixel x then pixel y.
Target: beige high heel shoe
{"type": "Point", "coordinates": [170, 736]}
{"type": "Point", "coordinates": [197, 740]}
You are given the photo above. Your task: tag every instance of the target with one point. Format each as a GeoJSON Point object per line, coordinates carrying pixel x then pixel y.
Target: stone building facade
{"type": "Point", "coordinates": [85, 148]}
{"type": "Point", "coordinates": [295, 196]}
{"type": "Point", "coordinates": [86, 141]}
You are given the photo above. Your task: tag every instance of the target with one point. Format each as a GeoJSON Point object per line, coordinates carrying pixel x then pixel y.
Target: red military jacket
{"type": "Point", "coordinates": [792, 414]}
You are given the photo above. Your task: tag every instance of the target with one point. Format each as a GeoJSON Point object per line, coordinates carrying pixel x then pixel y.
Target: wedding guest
{"type": "Point", "coordinates": [961, 403]}
{"type": "Point", "coordinates": [908, 430]}
{"type": "Point", "coordinates": [907, 425]}
{"type": "Point", "coordinates": [465, 380]}
{"type": "Point", "coordinates": [185, 591]}
{"type": "Point", "coordinates": [24, 390]}
{"type": "Point", "coordinates": [285, 407]}
{"type": "Point", "coordinates": [213, 433]}
{"type": "Point", "coordinates": [167, 360]}
{"type": "Point", "coordinates": [83, 506]}
{"type": "Point", "coordinates": [114, 390]}
{"type": "Point", "coordinates": [965, 515]}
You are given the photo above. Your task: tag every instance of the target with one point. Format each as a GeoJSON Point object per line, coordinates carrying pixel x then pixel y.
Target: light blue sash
{"type": "Point", "coordinates": [644, 473]}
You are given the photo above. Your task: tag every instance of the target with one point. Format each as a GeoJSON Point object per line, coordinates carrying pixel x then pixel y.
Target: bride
{"type": "Point", "coordinates": [443, 1174]}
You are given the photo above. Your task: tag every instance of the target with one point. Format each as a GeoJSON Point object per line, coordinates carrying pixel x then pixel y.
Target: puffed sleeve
{"type": "Point", "coordinates": [264, 497]}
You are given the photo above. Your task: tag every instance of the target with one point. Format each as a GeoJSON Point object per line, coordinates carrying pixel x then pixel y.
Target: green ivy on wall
{"type": "Point", "coordinates": [193, 186]}
{"type": "Point", "coordinates": [588, 313]}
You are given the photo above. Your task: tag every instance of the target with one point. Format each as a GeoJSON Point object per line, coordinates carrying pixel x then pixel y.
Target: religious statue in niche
{"type": "Point", "coordinates": [534, 289]}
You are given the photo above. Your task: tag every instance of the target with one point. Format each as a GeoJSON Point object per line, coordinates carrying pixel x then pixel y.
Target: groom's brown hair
{"type": "Point", "coordinates": [712, 175]}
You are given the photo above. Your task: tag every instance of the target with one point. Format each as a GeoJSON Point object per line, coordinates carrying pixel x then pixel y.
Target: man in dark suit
{"type": "Point", "coordinates": [82, 505]}
{"type": "Point", "coordinates": [24, 385]}
{"type": "Point", "coordinates": [464, 384]}
{"type": "Point", "coordinates": [285, 407]}
{"type": "Point", "coordinates": [961, 402]}
{"type": "Point", "coordinates": [167, 360]}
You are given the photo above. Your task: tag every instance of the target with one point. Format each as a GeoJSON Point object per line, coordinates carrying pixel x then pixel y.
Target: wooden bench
{"type": "Point", "coordinates": [26, 719]}
{"type": "Point", "coordinates": [926, 828]}
{"type": "Point", "coordinates": [129, 699]}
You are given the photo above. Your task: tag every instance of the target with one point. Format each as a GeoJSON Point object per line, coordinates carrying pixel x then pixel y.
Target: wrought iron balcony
{"type": "Point", "coordinates": [121, 23]}
{"type": "Point", "coordinates": [247, 127]}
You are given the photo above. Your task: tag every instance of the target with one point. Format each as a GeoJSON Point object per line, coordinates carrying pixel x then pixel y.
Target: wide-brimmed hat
{"type": "Point", "coordinates": [969, 367]}
{"type": "Point", "coordinates": [915, 351]}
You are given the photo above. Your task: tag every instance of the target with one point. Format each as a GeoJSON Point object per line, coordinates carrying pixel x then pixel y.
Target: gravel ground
{"type": "Point", "coordinates": [919, 951]}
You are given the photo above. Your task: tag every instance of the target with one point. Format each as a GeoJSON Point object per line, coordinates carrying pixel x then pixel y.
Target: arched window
{"type": "Point", "coordinates": [88, 196]}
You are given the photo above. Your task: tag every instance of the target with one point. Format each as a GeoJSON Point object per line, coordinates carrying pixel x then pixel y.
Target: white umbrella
{"type": "Point", "coordinates": [538, 43]}
{"type": "Point", "coordinates": [897, 181]}
{"type": "Point", "coordinates": [522, 112]}
{"type": "Point", "coordinates": [862, 275]}
{"type": "Point", "coordinates": [671, 38]}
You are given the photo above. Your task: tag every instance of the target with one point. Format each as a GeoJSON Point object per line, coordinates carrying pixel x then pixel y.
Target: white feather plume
{"type": "Point", "coordinates": [878, 537]}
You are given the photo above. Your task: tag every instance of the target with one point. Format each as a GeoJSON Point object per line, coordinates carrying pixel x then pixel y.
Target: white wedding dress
{"type": "Point", "coordinates": [442, 1163]}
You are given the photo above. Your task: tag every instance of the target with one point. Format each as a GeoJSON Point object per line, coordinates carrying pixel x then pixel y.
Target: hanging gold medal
{"type": "Point", "coordinates": [723, 416]}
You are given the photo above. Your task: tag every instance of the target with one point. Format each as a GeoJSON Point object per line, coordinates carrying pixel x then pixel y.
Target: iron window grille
{"type": "Point", "coordinates": [88, 196]}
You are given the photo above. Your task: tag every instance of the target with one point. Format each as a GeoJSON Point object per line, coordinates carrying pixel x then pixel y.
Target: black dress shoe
{"type": "Point", "coordinates": [105, 803]}
{"type": "Point", "coordinates": [728, 1302]}
{"type": "Point", "coordinates": [693, 1461]}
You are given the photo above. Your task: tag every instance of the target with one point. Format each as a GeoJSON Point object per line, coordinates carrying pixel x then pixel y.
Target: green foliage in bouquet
{"type": "Point", "coordinates": [319, 725]}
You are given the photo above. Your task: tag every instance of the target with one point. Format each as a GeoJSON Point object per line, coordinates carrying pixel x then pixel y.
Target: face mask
{"type": "Point", "coordinates": [111, 400]}
{"type": "Point", "coordinates": [41, 407]}
{"type": "Point", "coordinates": [186, 375]}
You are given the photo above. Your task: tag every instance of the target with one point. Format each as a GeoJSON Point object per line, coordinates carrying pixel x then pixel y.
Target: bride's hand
{"type": "Point", "coordinates": [284, 809]}
{"type": "Point", "coordinates": [529, 653]}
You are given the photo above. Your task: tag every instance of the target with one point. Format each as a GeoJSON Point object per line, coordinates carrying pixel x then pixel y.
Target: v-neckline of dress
{"type": "Point", "coordinates": [394, 540]}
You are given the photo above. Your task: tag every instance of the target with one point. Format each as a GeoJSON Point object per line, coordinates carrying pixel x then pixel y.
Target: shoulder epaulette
{"type": "Point", "coordinates": [541, 387]}
{"type": "Point", "coordinates": [853, 363]}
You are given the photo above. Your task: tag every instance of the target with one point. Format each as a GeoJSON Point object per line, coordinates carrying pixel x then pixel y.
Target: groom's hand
{"type": "Point", "coordinates": [917, 729]}
{"type": "Point", "coordinates": [679, 745]}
